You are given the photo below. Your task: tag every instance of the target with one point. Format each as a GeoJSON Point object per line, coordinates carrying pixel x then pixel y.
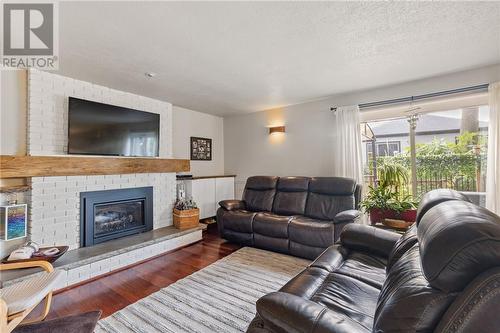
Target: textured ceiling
{"type": "Point", "coordinates": [235, 57]}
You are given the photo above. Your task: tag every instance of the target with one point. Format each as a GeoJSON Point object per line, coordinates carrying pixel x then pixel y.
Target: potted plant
{"type": "Point", "coordinates": [387, 199]}
{"type": "Point", "coordinates": [186, 214]}
{"type": "Point", "coordinates": [382, 203]}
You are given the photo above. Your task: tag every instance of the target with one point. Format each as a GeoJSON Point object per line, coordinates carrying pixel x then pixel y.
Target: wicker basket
{"type": "Point", "coordinates": [185, 219]}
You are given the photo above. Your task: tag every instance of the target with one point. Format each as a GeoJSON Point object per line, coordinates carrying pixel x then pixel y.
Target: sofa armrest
{"type": "Point", "coordinates": [291, 313]}
{"type": "Point", "coordinates": [232, 204]}
{"type": "Point", "coordinates": [367, 238]}
{"type": "Point", "coordinates": [350, 215]}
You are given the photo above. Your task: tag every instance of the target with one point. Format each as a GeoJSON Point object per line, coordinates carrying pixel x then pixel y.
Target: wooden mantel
{"type": "Point", "coordinates": [40, 166]}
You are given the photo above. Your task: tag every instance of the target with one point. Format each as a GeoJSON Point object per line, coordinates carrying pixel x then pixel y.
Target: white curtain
{"type": "Point", "coordinates": [493, 168]}
{"type": "Point", "coordinates": [347, 143]}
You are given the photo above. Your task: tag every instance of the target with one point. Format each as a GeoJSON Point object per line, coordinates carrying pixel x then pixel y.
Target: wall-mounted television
{"type": "Point", "coordinates": [103, 129]}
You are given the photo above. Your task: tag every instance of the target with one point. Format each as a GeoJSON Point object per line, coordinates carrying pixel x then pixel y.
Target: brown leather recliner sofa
{"type": "Point", "coordinates": [443, 275]}
{"type": "Point", "coordinates": [300, 216]}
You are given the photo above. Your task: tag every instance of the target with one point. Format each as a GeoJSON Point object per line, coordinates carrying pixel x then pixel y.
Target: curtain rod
{"type": "Point", "coordinates": [419, 97]}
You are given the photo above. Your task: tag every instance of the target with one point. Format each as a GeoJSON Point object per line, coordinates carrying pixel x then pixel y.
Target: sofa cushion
{"type": "Point", "coordinates": [325, 207]}
{"type": "Point", "coordinates": [304, 251]}
{"type": "Point", "coordinates": [435, 197]}
{"type": "Point", "coordinates": [407, 302]}
{"type": "Point", "coordinates": [293, 184]}
{"type": "Point", "coordinates": [329, 196]}
{"type": "Point", "coordinates": [284, 313]}
{"type": "Point", "coordinates": [271, 225]}
{"type": "Point", "coordinates": [243, 238]}
{"type": "Point", "coordinates": [472, 237]}
{"type": "Point", "coordinates": [348, 297]}
{"type": "Point", "coordinates": [239, 220]}
{"type": "Point", "coordinates": [290, 203]}
{"type": "Point", "coordinates": [259, 193]}
{"type": "Point", "coordinates": [311, 232]}
{"type": "Point", "coordinates": [262, 182]}
{"type": "Point", "coordinates": [367, 268]}
{"type": "Point", "coordinates": [274, 244]}
{"type": "Point", "coordinates": [291, 196]}
{"type": "Point", "coordinates": [332, 185]}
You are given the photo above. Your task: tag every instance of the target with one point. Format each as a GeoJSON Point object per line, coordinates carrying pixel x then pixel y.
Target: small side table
{"type": "Point", "coordinates": [385, 227]}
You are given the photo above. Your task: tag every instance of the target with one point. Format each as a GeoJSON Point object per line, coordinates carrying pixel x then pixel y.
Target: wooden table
{"type": "Point", "coordinates": [383, 226]}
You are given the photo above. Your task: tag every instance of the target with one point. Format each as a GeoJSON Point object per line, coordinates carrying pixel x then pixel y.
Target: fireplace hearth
{"type": "Point", "coordinates": [112, 214]}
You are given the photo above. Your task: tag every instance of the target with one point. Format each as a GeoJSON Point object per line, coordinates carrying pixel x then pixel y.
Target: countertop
{"type": "Point", "coordinates": [207, 177]}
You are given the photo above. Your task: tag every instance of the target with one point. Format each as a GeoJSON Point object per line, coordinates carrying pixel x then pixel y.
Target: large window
{"type": "Point", "coordinates": [449, 148]}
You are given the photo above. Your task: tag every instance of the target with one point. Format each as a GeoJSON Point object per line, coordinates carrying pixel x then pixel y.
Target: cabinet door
{"type": "Point", "coordinates": [224, 189]}
{"type": "Point", "coordinates": [203, 192]}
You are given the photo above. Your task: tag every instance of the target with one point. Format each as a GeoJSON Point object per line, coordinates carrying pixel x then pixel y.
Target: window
{"type": "Point", "coordinates": [390, 139]}
{"type": "Point", "coordinates": [450, 150]}
{"type": "Point", "coordinates": [389, 148]}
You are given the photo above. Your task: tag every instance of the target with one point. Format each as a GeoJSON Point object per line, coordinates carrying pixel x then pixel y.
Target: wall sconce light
{"type": "Point", "coordinates": [277, 129]}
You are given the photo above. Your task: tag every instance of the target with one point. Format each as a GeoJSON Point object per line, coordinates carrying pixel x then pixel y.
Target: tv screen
{"type": "Point", "coordinates": [103, 129]}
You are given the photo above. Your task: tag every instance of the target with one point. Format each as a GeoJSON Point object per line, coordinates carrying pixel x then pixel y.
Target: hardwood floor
{"type": "Point", "coordinates": [115, 291]}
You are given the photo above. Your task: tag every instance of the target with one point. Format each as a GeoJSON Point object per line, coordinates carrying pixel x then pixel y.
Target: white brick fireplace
{"type": "Point", "coordinates": [54, 202]}
{"type": "Point", "coordinates": [54, 213]}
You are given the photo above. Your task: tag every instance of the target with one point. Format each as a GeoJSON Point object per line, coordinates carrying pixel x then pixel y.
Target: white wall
{"type": "Point", "coordinates": [48, 115]}
{"type": "Point", "coordinates": [13, 112]}
{"type": "Point", "coordinates": [305, 148]}
{"type": "Point", "coordinates": [13, 116]}
{"type": "Point", "coordinates": [188, 123]}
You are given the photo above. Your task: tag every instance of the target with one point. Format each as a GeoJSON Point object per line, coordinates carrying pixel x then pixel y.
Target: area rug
{"type": "Point", "coordinates": [219, 298]}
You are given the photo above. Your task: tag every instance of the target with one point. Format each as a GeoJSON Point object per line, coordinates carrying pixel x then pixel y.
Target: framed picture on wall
{"type": "Point", "coordinates": [201, 149]}
{"type": "Point", "coordinates": [13, 220]}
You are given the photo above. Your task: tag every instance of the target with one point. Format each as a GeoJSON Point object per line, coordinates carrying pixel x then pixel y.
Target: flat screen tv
{"type": "Point", "coordinates": [103, 129]}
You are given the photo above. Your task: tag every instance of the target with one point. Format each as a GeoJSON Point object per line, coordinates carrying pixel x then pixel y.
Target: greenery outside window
{"type": "Point", "coordinates": [449, 147]}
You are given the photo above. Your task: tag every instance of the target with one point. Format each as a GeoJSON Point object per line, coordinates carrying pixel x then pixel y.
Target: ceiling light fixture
{"type": "Point", "coordinates": [150, 75]}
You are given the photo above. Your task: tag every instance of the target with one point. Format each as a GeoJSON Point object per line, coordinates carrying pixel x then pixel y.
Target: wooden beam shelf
{"type": "Point", "coordinates": [14, 188]}
{"type": "Point", "coordinates": [41, 166]}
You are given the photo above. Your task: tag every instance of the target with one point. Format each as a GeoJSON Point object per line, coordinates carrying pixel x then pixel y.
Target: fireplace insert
{"type": "Point", "coordinates": [111, 214]}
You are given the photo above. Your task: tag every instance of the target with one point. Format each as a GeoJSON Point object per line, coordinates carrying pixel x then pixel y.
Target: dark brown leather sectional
{"type": "Point", "coordinates": [300, 216]}
{"type": "Point", "coordinates": [443, 275]}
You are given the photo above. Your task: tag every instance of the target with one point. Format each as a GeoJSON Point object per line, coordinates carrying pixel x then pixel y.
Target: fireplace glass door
{"type": "Point", "coordinates": [116, 217]}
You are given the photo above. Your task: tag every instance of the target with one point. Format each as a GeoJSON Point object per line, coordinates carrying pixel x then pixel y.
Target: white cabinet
{"type": "Point", "coordinates": [224, 190]}
{"type": "Point", "coordinates": [207, 192]}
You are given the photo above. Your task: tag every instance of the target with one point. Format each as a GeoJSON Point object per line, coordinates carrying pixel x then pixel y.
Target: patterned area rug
{"type": "Point", "coordinates": [219, 298]}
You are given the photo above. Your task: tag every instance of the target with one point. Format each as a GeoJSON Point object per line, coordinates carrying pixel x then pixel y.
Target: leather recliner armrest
{"type": "Point", "coordinates": [232, 204]}
{"type": "Point", "coordinates": [291, 313]}
{"type": "Point", "coordinates": [350, 215]}
{"type": "Point", "coordinates": [369, 239]}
